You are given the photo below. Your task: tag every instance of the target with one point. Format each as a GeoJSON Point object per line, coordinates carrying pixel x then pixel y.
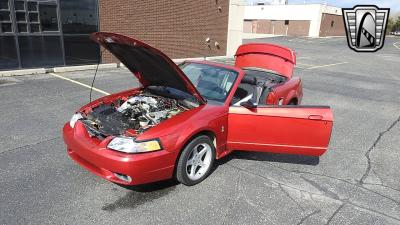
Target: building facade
{"type": "Point", "coordinates": [312, 20]}
{"type": "Point", "coordinates": [47, 33]}
{"type": "Point", "coordinates": [50, 33]}
{"type": "Point", "coordinates": [179, 28]}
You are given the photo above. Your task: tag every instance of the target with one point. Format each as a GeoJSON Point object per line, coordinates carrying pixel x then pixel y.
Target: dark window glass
{"type": "Point", "coordinates": [79, 16]}
{"type": "Point", "coordinates": [20, 16]}
{"type": "Point", "coordinates": [5, 16]}
{"type": "Point", "coordinates": [6, 27]}
{"type": "Point", "coordinates": [33, 17]}
{"type": "Point", "coordinates": [332, 23]}
{"type": "Point", "coordinates": [8, 53]}
{"type": "Point", "coordinates": [286, 22]}
{"type": "Point", "coordinates": [19, 5]}
{"type": "Point", "coordinates": [35, 28]}
{"type": "Point", "coordinates": [4, 4]}
{"type": "Point", "coordinates": [80, 50]}
{"type": "Point", "coordinates": [32, 6]}
{"type": "Point", "coordinates": [48, 17]}
{"type": "Point", "coordinates": [42, 51]}
{"type": "Point", "coordinates": [213, 82]}
{"type": "Point", "coordinates": [22, 28]}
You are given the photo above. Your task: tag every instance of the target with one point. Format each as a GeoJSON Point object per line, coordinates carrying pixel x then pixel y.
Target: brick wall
{"type": "Point", "coordinates": [299, 28]}
{"type": "Point", "coordinates": [179, 28]}
{"type": "Point", "coordinates": [326, 25]}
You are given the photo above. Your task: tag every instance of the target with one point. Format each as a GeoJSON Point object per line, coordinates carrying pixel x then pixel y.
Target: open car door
{"type": "Point", "coordinates": [304, 130]}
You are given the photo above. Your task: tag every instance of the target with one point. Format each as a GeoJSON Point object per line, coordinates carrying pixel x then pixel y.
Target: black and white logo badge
{"type": "Point", "coordinates": [365, 27]}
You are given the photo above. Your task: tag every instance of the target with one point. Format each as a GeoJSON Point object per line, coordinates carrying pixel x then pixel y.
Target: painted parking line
{"type": "Point", "coordinates": [327, 65]}
{"type": "Point", "coordinates": [79, 83]}
{"type": "Point", "coordinates": [397, 45]}
{"type": "Point", "coordinates": [304, 64]}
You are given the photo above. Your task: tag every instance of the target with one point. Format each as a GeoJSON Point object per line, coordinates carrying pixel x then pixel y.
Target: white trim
{"type": "Point", "coordinates": [235, 26]}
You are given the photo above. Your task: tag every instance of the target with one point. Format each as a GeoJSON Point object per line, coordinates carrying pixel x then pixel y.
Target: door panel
{"type": "Point", "coordinates": [286, 129]}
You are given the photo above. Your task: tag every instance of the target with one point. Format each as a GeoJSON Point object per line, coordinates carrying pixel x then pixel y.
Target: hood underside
{"type": "Point", "coordinates": [148, 64]}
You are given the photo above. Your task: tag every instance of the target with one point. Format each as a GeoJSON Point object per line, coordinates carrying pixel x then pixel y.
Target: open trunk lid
{"type": "Point", "coordinates": [266, 56]}
{"type": "Point", "coordinates": [148, 64]}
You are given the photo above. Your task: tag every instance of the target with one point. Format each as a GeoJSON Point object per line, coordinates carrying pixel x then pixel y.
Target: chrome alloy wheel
{"type": "Point", "coordinates": [198, 161]}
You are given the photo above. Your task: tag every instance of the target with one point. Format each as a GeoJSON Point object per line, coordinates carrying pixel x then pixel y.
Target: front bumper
{"type": "Point", "coordinates": [93, 155]}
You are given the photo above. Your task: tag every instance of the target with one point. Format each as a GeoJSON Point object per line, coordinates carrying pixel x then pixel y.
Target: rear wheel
{"type": "Point", "coordinates": [196, 161]}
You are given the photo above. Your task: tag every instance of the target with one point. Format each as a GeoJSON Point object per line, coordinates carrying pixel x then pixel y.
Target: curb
{"type": "Point", "coordinates": [63, 69]}
{"type": "Point", "coordinates": [85, 67]}
{"type": "Point", "coordinates": [11, 73]}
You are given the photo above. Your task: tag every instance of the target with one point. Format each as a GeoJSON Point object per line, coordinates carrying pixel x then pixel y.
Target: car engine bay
{"type": "Point", "coordinates": [135, 115]}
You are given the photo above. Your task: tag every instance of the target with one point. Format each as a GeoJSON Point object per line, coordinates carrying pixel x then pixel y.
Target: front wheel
{"type": "Point", "coordinates": [196, 161]}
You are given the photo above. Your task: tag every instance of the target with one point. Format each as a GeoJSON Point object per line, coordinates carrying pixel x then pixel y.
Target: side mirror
{"type": "Point", "coordinates": [248, 104]}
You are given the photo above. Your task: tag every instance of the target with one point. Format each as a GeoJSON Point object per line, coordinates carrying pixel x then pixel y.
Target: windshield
{"type": "Point", "coordinates": [213, 82]}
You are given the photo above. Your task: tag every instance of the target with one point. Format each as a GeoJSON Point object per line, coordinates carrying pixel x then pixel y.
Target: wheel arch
{"type": "Point", "coordinates": [206, 132]}
{"type": "Point", "coordinates": [294, 100]}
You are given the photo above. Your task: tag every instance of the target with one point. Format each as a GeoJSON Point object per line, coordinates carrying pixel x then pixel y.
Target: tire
{"type": "Point", "coordinates": [196, 161]}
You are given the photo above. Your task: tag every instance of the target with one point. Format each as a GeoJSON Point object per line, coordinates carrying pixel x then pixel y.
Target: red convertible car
{"type": "Point", "coordinates": [185, 117]}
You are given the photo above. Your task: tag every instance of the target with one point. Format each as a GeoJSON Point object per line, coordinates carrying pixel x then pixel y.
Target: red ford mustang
{"type": "Point", "coordinates": [185, 117]}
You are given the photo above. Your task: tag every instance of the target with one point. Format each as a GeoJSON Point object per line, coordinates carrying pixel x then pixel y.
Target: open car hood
{"type": "Point", "coordinates": [149, 65]}
{"type": "Point", "coordinates": [266, 56]}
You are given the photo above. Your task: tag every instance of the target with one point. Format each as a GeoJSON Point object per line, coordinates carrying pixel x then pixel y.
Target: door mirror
{"type": "Point", "coordinates": [248, 104]}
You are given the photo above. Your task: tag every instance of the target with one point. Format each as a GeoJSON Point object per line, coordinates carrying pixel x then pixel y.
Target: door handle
{"type": "Point", "coordinates": [315, 117]}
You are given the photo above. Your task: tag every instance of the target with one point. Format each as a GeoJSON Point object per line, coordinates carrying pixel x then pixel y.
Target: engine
{"type": "Point", "coordinates": [139, 113]}
{"type": "Point", "coordinates": [149, 110]}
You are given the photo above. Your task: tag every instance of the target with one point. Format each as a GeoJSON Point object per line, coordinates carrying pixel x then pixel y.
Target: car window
{"type": "Point", "coordinates": [213, 82]}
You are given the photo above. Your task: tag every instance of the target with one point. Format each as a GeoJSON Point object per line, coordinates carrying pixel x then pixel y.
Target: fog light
{"type": "Point", "coordinates": [123, 177]}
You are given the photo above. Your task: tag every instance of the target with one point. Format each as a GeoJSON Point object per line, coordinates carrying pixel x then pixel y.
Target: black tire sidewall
{"type": "Point", "coordinates": [181, 175]}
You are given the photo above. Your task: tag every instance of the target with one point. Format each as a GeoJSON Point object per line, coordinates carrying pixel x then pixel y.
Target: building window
{"type": "Point", "coordinates": [48, 17]}
{"type": "Point", "coordinates": [79, 19]}
{"type": "Point", "coordinates": [19, 5]}
{"type": "Point", "coordinates": [8, 53]}
{"type": "Point", "coordinates": [37, 51]}
{"type": "Point", "coordinates": [4, 4]}
{"type": "Point", "coordinates": [332, 23]}
{"type": "Point", "coordinates": [5, 18]}
{"type": "Point", "coordinates": [286, 22]}
{"type": "Point", "coordinates": [30, 33]}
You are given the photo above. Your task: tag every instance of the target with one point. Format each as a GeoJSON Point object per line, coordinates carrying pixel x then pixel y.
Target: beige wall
{"type": "Point", "coordinates": [278, 27]}
{"type": "Point", "coordinates": [248, 26]}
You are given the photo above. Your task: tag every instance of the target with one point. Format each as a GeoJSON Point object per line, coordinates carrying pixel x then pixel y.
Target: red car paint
{"type": "Point", "coordinates": [274, 58]}
{"type": "Point", "coordinates": [302, 130]}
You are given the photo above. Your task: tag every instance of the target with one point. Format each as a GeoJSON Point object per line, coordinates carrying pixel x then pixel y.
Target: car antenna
{"type": "Point", "coordinates": [94, 77]}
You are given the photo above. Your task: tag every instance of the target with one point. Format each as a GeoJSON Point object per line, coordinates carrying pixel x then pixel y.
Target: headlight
{"type": "Point", "coordinates": [128, 145]}
{"type": "Point", "coordinates": [75, 118]}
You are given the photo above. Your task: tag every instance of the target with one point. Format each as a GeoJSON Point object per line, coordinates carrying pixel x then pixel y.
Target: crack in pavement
{"type": "Point", "coordinates": [308, 216]}
{"type": "Point", "coordinates": [29, 145]}
{"type": "Point", "coordinates": [290, 197]}
{"type": "Point", "coordinates": [368, 152]}
{"type": "Point", "coordinates": [328, 193]}
{"type": "Point", "coordinates": [345, 181]}
{"type": "Point", "coordinates": [335, 213]}
{"type": "Point", "coordinates": [317, 194]}
{"type": "Point", "coordinates": [382, 185]}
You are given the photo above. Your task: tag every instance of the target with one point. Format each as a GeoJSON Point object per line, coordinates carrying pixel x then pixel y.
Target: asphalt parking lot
{"type": "Point", "coordinates": [356, 182]}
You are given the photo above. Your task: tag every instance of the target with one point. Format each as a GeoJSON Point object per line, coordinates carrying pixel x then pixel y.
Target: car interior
{"type": "Point", "coordinates": [248, 84]}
